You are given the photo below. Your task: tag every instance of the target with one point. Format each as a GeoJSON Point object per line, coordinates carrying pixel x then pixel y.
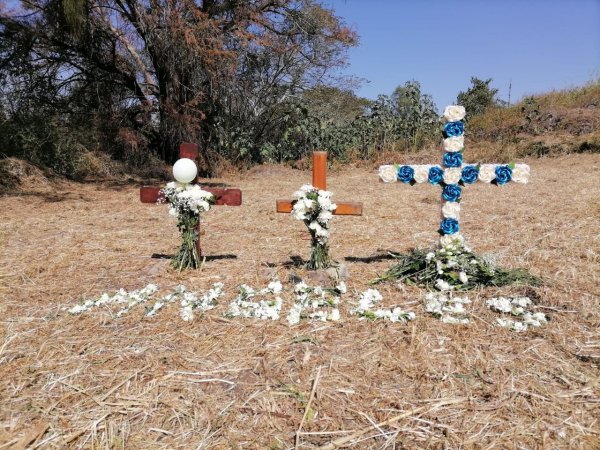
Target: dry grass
{"type": "Point", "coordinates": [98, 382]}
{"type": "Point", "coordinates": [558, 123]}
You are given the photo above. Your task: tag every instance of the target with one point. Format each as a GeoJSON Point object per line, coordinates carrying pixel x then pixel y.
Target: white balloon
{"type": "Point", "coordinates": [185, 170]}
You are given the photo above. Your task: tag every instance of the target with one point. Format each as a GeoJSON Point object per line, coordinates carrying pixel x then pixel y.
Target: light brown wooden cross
{"type": "Point", "coordinates": [319, 180]}
{"type": "Point", "coordinates": [230, 197]}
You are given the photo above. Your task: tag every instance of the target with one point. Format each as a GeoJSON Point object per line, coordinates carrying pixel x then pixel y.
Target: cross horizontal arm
{"type": "Point", "coordinates": [343, 209]}
{"type": "Point", "coordinates": [230, 197]}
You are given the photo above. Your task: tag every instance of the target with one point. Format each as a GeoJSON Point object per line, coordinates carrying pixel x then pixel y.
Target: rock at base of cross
{"type": "Point", "coordinates": [324, 277]}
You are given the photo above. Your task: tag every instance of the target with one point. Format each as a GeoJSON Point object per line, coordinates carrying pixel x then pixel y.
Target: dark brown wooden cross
{"type": "Point", "coordinates": [229, 197]}
{"type": "Point", "coordinates": [319, 180]}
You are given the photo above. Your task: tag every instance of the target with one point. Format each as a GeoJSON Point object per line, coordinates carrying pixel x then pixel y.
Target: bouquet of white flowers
{"type": "Point", "coordinates": [315, 208]}
{"type": "Point", "coordinates": [186, 202]}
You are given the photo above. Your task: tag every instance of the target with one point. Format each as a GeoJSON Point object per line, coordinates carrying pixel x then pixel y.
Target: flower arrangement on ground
{"type": "Point", "coordinates": [453, 266]}
{"type": "Point", "coordinates": [316, 303]}
{"type": "Point", "coordinates": [122, 297]}
{"type": "Point", "coordinates": [315, 208]}
{"type": "Point", "coordinates": [447, 307]}
{"type": "Point", "coordinates": [519, 308]}
{"type": "Point", "coordinates": [257, 304]}
{"type": "Point", "coordinates": [187, 202]}
{"type": "Point", "coordinates": [365, 309]}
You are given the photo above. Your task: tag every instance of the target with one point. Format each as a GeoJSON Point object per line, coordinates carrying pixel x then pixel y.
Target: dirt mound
{"type": "Point", "coordinates": [17, 173]}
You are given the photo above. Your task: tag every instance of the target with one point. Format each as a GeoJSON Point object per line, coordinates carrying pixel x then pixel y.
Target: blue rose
{"type": "Point", "coordinates": [454, 129]}
{"type": "Point", "coordinates": [451, 192]}
{"type": "Point", "coordinates": [406, 174]}
{"type": "Point", "coordinates": [436, 175]}
{"type": "Point", "coordinates": [503, 175]}
{"type": "Point", "coordinates": [449, 226]}
{"type": "Point", "coordinates": [469, 174]}
{"type": "Point", "coordinates": [453, 159]}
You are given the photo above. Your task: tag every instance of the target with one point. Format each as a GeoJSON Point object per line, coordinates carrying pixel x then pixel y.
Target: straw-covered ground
{"type": "Point", "coordinates": [97, 381]}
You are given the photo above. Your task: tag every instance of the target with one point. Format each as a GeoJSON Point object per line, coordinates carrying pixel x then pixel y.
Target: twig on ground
{"type": "Point", "coordinates": [307, 408]}
{"type": "Point", "coordinates": [338, 443]}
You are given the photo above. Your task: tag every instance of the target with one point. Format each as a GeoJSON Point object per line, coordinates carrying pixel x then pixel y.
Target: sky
{"type": "Point", "coordinates": [535, 45]}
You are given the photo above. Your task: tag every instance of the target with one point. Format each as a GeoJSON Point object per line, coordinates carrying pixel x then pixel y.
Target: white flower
{"type": "Point", "coordinates": [452, 175]}
{"type": "Point", "coordinates": [523, 302]}
{"type": "Point", "coordinates": [519, 326]}
{"type": "Point", "coordinates": [325, 203]}
{"type": "Point", "coordinates": [300, 287]}
{"type": "Point", "coordinates": [455, 320]}
{"type": "Point", "coordinates": [341, 287]}
{"type": "Point", "coordinates": [77, 309]}
{"type": "Point", "coordinates": [275, 287]}
{"type": "Point", "coordinates": [325, 216]}
{"type": "Point", "coordinates": [500, 304]}
{"type": "Point", "coordinates": [421, 174]}
{"type": "Point", "coordinates": [388, 173]}
{"type": "Point", "coordinates": [451, 210]}
{"type": "Point", "coordinates": [520, 174]}
{"type": "Point", "coordinates": [367, 300]}
{"type": "Point", "coordinates": [335, 315]}
{"type": "Point", "coordinates": [454, 143]}
{"type": "Point", "coordinates": [443, 285]}
{"type": "Point", "coordinates": [487, 173]}
{"type": "Point", "coordinates": [241, 306]}
{"type": "Point", "coordinates": [449, 239]}
{"type": "Point", "coordinates": [187, 313]}
{"type": "Point", "coordinates": [463, 277]}
{"type": "Point", "coordinates": [454, 113]}
{"type": "Point", "coordinates": [293, 316]}
{"type": "Point", "coordinates": [429, 256]}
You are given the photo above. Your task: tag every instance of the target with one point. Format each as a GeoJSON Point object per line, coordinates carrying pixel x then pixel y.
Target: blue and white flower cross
{"type": "Point", "coordinates": [454, 174]}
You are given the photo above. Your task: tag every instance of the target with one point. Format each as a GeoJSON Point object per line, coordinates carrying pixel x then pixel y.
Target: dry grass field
{"type": "Point", "coordinates": [95, 381]}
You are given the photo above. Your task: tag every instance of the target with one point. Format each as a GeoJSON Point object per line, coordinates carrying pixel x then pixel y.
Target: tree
{"type": "Point", "coordinates": [416, 113]}
{"type": "Point", "coordinates": [216, 72]}
{"type": "Point", "coordinates": [478, 98]}
{"type": "Point", "coordinates": [334, 104]}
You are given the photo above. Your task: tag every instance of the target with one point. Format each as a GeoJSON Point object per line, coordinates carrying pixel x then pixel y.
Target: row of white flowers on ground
{"type": "Point", "coordinates": [313, 303]}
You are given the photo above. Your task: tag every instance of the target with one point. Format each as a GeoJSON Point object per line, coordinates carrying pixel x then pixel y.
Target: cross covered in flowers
{"type": "Point", "coordinates": [454, 175]}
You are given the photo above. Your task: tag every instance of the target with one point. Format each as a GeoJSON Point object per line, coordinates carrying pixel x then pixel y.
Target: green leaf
{"type": "Point", "coordinates": [512, 165]}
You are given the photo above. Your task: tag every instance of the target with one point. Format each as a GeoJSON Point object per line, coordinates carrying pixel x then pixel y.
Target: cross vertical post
{"type": "Point", "coordinates": [319, 174]}
{"type": "Point", "coordinates": [319, 180]}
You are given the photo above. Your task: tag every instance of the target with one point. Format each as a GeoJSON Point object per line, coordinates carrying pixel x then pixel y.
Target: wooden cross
{"type": "Point", "coordinates": [453, 176]}
{"type": "Point", "coordinates": [319, 180]}
{"type": "Point", "coordinates": [229, 197]}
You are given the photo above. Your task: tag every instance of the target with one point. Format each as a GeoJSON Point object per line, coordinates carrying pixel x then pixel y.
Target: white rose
{"type": "Point", "coordinates": [335, 315]}
{"type": "Point", "coordinates": [454, 113]}
{"type": "Point", "coordinates": [454, 143]}
{"type": "Point", "coordinates": [443, 285]}
{"type": "Point", "coordinates": [388, 174]}
{"type": "Point", "coordinates": [452, 175]}
{"type": "Point", "coordinates": [421, 173]}
{"type": "Point", "coordinates": [520, 173]}
{"type": "Point", "coordinates": [451, 210]}
{"type": "Point", "coordinates": [487, 173]}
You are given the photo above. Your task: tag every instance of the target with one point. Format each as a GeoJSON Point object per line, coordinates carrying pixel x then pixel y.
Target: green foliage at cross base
{"type": "Point", "coordinates": [416, 268]}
